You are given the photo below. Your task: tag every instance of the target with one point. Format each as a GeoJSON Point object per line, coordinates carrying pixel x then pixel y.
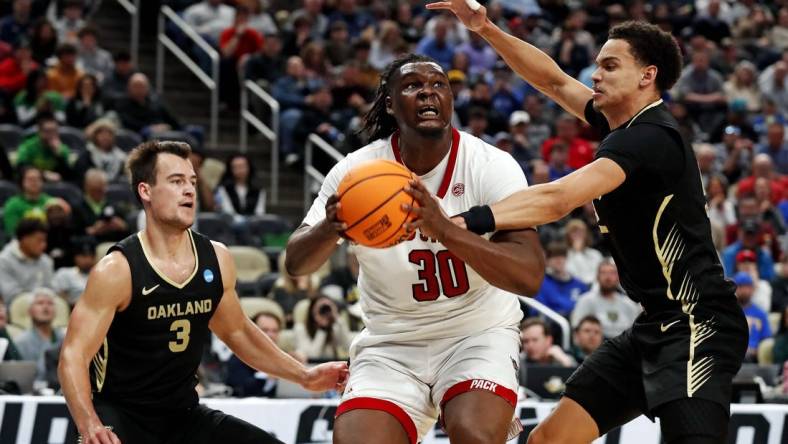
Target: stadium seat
{"type": "Point", "coordinates": [10, 136]}
{"type": "Point", "coordinates": [301, 311]}
{"type": "Point", "coordinates": [127, 139]}
{"type": "Point", "coordinates": [102, 249]}
{"type": "Point", "coordinates": [121, 193]}
{"type": "Point", "coordinates": [251, 264]}
{"type": "Point", "coordinates": [254, 305]}
{"type": "Point", "coordinates": [74, 138]}
{"type": "Point", "coordinates": [262, 230]}
{"type": "Point", "coordinates": [7, 191]}
{"type": "Point", "coordinates": [211, 172]}
{"type": "Point", "coordinates": [287, 340]}
{"type": "Point", "coordinates": [19, 316]}
{"type": "Point", "coordinates": [774, 322]}
{"type": "Point", "coordinates": [766, 351]}
{"type": "Point", "coordinates": [217, 226]}
{"type": "Point", "coordinates": [266, 283]}
{"type": "Point", "coordinates": [65, 190]}
{"type": "Point", "coordinates": [13, 331]}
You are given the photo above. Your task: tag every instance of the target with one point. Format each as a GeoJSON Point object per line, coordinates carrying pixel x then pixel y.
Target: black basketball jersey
{"type": "Point", "coordinates": [150, 355]}
{"type": "Point", "coordinates": [656, 220]}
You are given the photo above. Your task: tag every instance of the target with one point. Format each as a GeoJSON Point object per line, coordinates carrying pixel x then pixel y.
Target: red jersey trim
{"type": "Point", "coordinates": [455, 147]}
{"type": "Point", "coordinates": [385, 406]}
{"type": "Point", "coordinates": [480, 384]}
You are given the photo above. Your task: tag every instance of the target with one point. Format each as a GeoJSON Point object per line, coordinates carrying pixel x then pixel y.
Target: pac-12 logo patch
{"type": "Point", "coordinates": [208, 275]}
{"type": "Point", "coordinates": [458, 189]}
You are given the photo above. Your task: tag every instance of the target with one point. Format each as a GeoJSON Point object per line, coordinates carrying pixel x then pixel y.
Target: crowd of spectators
{"type": "Point", "coordinates": [321, 60]}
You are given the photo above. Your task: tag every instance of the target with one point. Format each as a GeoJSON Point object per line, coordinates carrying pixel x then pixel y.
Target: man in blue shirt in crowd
{"type": "Point", "coordinates": [757, 319]}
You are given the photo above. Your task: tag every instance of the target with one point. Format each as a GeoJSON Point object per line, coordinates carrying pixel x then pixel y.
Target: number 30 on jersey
{"type": "Point", "coordinates": [438, 271]}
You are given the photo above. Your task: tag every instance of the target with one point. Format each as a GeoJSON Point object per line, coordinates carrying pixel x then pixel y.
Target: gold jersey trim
{"type": "Point", "coordinates": [162, 275]}
{"type": "Point", "coordinates": [668, 252]}
{"type": "Point", "coordinates": [100, 365]}
{"type": "Point", "coordinates": [648, 107]}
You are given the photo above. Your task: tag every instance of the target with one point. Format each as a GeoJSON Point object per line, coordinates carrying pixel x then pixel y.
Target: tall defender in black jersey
{"type": "Point", "coordinates": [129, 360]}
{"type": "Point", "coordinates": [678, 360]}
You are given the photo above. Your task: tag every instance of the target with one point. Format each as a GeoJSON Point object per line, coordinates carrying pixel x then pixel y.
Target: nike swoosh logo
{"type": "Point", "coordinates": [147, 291]}
{"type": "Point", "coordinates": [662, 327]}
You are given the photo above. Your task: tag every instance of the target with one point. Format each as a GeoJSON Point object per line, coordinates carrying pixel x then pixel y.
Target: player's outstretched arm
{"type": "Point", "coordinates": [539, 204]}
{"type": "Point", "coordinates": [255, 348]}
{"type": "Point", "coordinates": [549, 202]}
{"type": "Point", "coordinates": [512, 260]}
{"type": "Point", "coordinates": [107, 290]}
{"type": "Point", "coordinates": [533, 65]}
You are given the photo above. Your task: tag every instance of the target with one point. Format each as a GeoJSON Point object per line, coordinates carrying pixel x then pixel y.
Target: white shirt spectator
{"type": "Point", "coordinates": [317, 348]}
{"type": "Point", "coordinates": [70, 282]}
{"type": "Point", "coordinates": [226, 204]}
{"type": "Point", "coordinates": [773, 83]}
{"type": "Point", "coordinates": [19, 273]}
{"type": "Point", "coordinates": [583, 264]}
{"type": "Point", "coordinates": [616, 312]}
{"type": "Point", "coordinates": [208, 19]}
{"type": "Point", "coordinates": [32, 346]}
{"type": "Point", "coordinates": [67, 29]}
{"type": "Point", "coordinates": [762, 295]}
{"type": "Point", "coordinates": [97, 62]}
{"type": "Point", "coordinates": [724, 215]}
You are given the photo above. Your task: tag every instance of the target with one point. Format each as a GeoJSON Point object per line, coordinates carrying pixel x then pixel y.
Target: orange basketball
{"type": "Point", "coordinates": [371, 197]}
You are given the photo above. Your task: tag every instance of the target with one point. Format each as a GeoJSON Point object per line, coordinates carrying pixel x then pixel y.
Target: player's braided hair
{"type": "Point", "coordinates": [379, 124]}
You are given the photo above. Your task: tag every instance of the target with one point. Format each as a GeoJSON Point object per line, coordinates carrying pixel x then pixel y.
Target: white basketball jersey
{"type": "Point", "coordinates": [418, 289]}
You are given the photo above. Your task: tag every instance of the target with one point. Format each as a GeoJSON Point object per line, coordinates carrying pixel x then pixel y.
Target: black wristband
{"type": "Point", "coordinates": [479, 219]}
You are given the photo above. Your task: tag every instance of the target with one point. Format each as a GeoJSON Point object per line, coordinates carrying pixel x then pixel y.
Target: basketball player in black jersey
{"type": "Point", "coordinates": [678, 360]}
{"type": "Point", "coordinates": [136, 335]}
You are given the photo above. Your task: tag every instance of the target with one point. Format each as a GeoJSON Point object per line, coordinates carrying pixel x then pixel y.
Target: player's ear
{"type": "Point", "coordinates": [144, 190]}
{"type": "Point", "coordinates": [648, 76]}
{"type": "Point", "coordinates": [389, 110]}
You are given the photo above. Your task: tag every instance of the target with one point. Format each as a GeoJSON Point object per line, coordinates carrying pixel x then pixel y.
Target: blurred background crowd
{"type": "Point", "coordinates": [70, 111]}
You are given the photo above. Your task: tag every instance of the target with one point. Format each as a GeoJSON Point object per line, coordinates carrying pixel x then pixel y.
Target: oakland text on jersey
{"type": "Point", "coordinates": [178, 309]}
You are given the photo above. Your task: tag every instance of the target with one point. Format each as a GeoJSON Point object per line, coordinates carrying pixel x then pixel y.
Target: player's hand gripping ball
{"type": "Point", "coordinates": [371, 197]}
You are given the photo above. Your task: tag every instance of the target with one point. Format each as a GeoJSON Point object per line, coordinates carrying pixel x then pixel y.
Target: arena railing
{"type": "Point", "coordinates": [210, 81]}
{"type": "Point", "coordinates": [270, 132]}
{"type": "Point", "coordinates": [310, 172]}
{"type": "Point", "coordinates": [551, 314]}
{"type": "Point", "coordinates": [133, 8]}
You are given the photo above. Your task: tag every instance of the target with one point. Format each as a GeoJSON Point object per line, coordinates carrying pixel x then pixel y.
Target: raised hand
{"type": "Point", "coordinates": [466, 10]}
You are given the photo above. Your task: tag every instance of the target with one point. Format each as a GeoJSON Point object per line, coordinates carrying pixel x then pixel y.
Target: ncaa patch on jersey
{"type": "Point", "coordinates": [458, 189]}
{"type": "Point", "coordinates": [207, 275]}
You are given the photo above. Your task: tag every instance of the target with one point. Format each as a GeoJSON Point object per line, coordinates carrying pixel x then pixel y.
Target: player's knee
{"type": "Point", "coordinates": [473, 433]}
{"type": "Point", "coordinates": [546, 435]}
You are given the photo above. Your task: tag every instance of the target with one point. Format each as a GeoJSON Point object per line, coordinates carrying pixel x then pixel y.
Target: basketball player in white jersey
{"type": "Point", "coordinates": [441, 319]}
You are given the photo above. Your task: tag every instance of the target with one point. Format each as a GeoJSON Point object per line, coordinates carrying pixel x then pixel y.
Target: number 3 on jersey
{"type": "Point", "coordinates": [444, 265]}
{"type": "Point", "coordinates": [182, 328]}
